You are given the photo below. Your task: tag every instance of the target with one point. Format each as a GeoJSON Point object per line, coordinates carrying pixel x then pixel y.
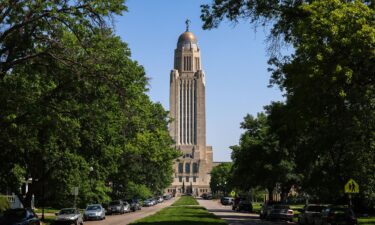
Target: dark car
{"type": "Point", "coordinates": [69, 216]}
{"type": "Point", "coordinates": [242, 204]}
{"type": "Point", "coordinates": [19, 217]}
{"type": "Point", "coordinates": [206, 196]}
{"type": "Point", "coordinates": [167, 197]}
{"type": "Point", "coordinates": [134, 204]}
{"type": "Point", "coordinates": [116, 206]}
{"type": "Point", "coordinates": [226, 201]}
{"type": "Point", "coordinates": [266, 209]}
{"type": "Point", "coordinates": [309, 214]}
{"type": "Point", "coordinates": [336, 215]}
{"type": "Point", "coordinates": [281, 212]}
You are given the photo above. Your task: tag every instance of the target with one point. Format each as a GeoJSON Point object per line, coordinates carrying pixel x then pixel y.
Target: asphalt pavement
{"type": "Point", "coordinates": [236, 218]}
{"type": "Point", "coordinates": [132, 216]}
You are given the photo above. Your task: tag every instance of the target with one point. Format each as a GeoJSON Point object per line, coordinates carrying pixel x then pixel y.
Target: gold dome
{"type": "Point", "coordinates": [187, 37]}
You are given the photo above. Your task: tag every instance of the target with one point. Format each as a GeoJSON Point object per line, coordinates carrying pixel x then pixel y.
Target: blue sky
{"type": "Point", "coordinates": [234, 59]}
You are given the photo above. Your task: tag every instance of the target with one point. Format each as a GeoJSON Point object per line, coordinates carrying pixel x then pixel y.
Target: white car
{"type": "Point", "coordinates": [94, 212]}
{"type": "Point", "coordinates": [69, 215]}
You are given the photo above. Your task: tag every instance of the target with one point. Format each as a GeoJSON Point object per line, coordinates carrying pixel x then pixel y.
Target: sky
{"type": "Point", "coordinates": [234, 58]}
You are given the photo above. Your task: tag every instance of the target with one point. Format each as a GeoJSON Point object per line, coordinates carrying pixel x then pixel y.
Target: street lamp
{"type": "Point", "coordinates": [91, 169]}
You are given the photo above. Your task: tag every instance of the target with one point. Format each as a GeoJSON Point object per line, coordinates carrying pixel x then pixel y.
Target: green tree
{"type": "Point", "coordinates": [259, 161]}
{"type": "Point", "coordinates": [327, 121]}
{"type": "Point", "coordinates": [77, 114]}
{"type": "Point", "coordinates": [221, 178]}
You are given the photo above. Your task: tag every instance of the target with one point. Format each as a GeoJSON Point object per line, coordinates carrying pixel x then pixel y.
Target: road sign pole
{"type": "Point", "coordinates": [350, 200]}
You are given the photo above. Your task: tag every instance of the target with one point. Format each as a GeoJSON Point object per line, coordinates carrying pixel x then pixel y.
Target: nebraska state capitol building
{"type": "Point", "coordinates": [188, 112]}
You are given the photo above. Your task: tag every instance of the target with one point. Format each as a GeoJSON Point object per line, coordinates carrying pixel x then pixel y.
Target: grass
{"type": "Point", "coordinates": [46, 210]}
{"type": "Point", "coordinates": [181, 215]}
{"type": "Point", "coordinates": [49, 220]}
{"type": "Point", "coordinates": [366, 220]}
{"type": "Point", "coordinates": [185, 200]}
{"type": "Point", "coordinates": [257, 206]}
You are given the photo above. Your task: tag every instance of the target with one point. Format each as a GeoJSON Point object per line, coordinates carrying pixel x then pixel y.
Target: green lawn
{"type": "Point", "coordinates": [49, 220]}
{"type": "Point", "coordinates": [46, 210]}
{"type": "Point", "coordinates": [181, 215]}
{"type": "Point", "coordinates": [185, 200]}
{"type": "Point", "coordinates": [366, 220]}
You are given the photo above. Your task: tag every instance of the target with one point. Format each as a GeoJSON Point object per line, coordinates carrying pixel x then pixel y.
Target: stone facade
{"type": "Point", "coordinates": [188, 112]}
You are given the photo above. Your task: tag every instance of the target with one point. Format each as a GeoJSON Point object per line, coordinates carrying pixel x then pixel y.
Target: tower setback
{"type": "Point", "coordinates": [188, 113]}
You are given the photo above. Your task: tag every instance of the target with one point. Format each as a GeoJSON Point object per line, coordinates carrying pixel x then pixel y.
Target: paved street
{"type": "Point", "coordinates": [235, 218]}
{"type": "Point", "coordinates": [131, 217]}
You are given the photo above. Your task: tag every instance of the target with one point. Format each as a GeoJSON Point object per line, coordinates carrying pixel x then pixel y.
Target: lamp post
{"type": "Point", "coordinates": [91, 169]}
{"type": "Point", "coordinates": [43, 181]}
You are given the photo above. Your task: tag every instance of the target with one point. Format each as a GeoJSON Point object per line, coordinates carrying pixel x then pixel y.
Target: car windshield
{"type": "Point", "coordinates": [93, 207]}
{"type": "Point", "coordinates": [115, 203]}
{"type": "Point", "coordinates": [281, 207]}
{"type": "Point", "coordinates": [67, 211]}
{"type": "Point", "coordinates": [315, 208]}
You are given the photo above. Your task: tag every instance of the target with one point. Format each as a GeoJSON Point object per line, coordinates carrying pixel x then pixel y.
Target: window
{"type": "Point", "coordinates": [187, 63]}
{"type": "Point", "coordinates": [187, 168]}
{"type": "Point", "coordinates": [180, 167]}
{"type": "Point", "coordinates": [195, 167]}
{"type": "Point", "coordinates": [187, 179]}
{"type": "Point", "coordinates": [194, 179]}
{"type": "Point", "coordinates": [180, 179]}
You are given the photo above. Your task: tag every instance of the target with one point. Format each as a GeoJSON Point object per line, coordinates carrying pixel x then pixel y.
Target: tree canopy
{"type": "Point", "coordinates": [327, 121]}
{"type": "Point", "coordinates": [75, 110]}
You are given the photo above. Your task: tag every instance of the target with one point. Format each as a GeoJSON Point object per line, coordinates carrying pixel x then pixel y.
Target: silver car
{"type": "Point", "coordinates": [94, 212]}
{"type": "Point", "coordinates": [70, 216]}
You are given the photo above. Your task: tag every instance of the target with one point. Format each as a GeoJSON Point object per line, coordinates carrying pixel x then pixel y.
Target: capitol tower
{"type": "Point", "coordinates": [188, 113]}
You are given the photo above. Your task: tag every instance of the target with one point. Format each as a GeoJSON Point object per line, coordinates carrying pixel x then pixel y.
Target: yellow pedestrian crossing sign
{"type": "Point", "coordinates": [351, 187]}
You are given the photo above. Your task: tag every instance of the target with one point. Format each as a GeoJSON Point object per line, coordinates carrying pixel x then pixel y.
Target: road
{"type": "Point", "coordinates": [235, 218]}
{"type": "Point", "coordinates": [131, 217]}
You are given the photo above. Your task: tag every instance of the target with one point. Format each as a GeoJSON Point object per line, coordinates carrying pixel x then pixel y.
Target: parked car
{"type": "Point", "coordinates": [266, 209]}
{"type": "Point", "coordinates": [116, 206]}
{"type": "Point", "coordinates": [167, 197]}
{"type": "Point", "coordinates": [206, 196]}
{"type": "Point", "coordinates": [127, 207]}
{"type": "Point", "coordinates": [134, 204]}
{"type": "Point", "coordinates": [242, 204]}
{"type": "Point", "coordinates": [19, 217]}
{"type": "Point", "coordinates": [310, 213]}
{"type": "Point", "coordinates": [336, 215]}
{"type": "Point", "coordinates": [281, 212]}
{"type": "Point", "coordinates": [69, 216]}
{"type": "Point", "coordinates": [149, 202]}
{"type": "Point", "coordinates": [94, 212]}
{"type": "Point", "coordinates": [160, 199]}
{"type": "Point", "coordinates": [226, 201]}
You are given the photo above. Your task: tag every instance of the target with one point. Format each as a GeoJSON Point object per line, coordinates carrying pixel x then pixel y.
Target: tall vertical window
{"type": "Point", "coordinates": [187, 63]}
{"type": "Point", "coordinates": [194, 179]}
{"type": "Point", "coordinates": [195, 167]}
{"type": "Point", "coordinates": [180, 179]}
{"type": "Point", "coordinates": [187, 179]}
{"type": "Point", "coordinates": [180, 167]}
{"type": "Point", "coordinates": [197, 65]}
{"type": "Point", "coordinates": [181, 121]}
{"type": "Point", "coordinates": [187, 168]}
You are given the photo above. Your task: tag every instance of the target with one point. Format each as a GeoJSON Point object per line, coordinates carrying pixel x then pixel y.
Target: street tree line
{"type": "Point", "coordinates": [323, 133]}
{"type": "Point", "coordinates": [74, 107]}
